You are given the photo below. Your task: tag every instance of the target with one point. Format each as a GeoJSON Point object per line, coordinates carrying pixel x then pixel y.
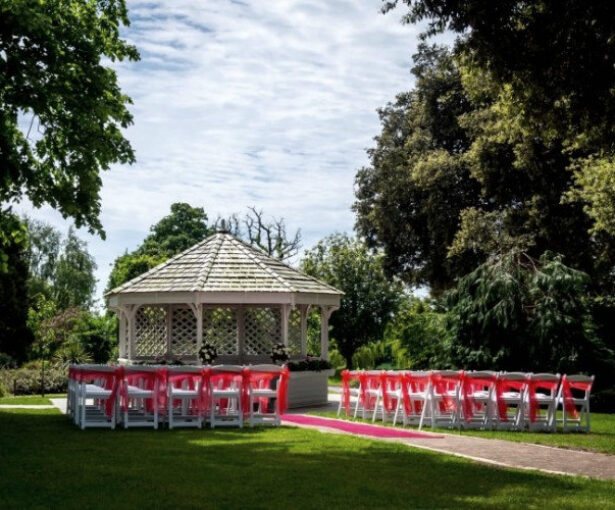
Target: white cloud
{"type": "Point", "coordinates": [258, 103]}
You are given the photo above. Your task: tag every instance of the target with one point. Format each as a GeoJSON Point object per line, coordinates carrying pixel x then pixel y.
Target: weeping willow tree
{"type": "Point", "coordinates": [517, 313]}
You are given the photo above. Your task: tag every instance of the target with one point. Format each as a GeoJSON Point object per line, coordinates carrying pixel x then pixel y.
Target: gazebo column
{"type": "Point", "coordinates": [123, 326]}
{"type": "Point", "coordinates": [305, 310]}
{"type": "Point", "coordinates": [325, 313]}
{"type": "Point", "coordinates": [198, 314]}
{"type": "Point", "coordinates": [284, 317]}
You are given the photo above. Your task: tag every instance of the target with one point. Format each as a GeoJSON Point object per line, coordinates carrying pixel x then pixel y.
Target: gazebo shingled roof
{"type": "Point", "coordinates": [223, 263]}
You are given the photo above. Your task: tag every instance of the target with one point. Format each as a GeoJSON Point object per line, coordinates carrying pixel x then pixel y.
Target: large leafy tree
{"type": "Point", "coordinates": [555, 60]}
{"type": "Point", "coordinates": [60, 268]}
{"type": "Point", "coordinates": [410, 197]}
{"type": "Point", "coordinates": [370, 298]}
{"type": "Point", "coordinates": [61, 109]}
{"type": "Point", "coordinates": [518, 313]}
{"type": "Point", "coordinates": [441, 205]}
{"type": "Point", "coordinates": [182, 228]}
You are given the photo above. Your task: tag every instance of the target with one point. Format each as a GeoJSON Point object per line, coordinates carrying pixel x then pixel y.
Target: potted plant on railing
{"type": "Point", "coordinates": [280, 354]}
{"type": "Point", "coordinates": [208, 353]}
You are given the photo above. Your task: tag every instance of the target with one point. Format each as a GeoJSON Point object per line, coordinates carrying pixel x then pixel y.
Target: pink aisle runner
{"type": "Point", "coordinates": [360, 429]}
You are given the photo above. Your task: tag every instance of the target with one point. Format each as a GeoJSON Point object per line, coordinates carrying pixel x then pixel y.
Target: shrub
{"type": "Point", "coordinates": [337, 360]}
{"type": "Point", "coordinates": [27, 381]}
{"type": "Point", "coordinates": [3, 391]}
{"type": "Point", "coordinates": [309, 364]}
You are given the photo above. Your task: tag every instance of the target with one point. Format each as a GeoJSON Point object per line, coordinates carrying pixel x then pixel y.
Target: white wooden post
{"type": "Point", "coordinates": [305, 310]}
{"type": "Point", "coordinates": [284, 316]}
{"type": "Point", "coordinates": [123, 325]}
{"type": "Point", "coordinates": [324, 332]}
{"type": "Point", "coordinates": [131, 333]}
{"type": "Point", "coordinates": [198, 314]}
{"type": "Point", "coordinates": [241, 331]}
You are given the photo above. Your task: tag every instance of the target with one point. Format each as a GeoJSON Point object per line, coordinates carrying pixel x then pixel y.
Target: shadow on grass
{"type": "Point", "coordinates": [48, 463]}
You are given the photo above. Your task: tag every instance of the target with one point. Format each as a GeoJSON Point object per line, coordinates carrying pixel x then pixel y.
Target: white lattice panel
{"type": "Point", "coordinates": [262, 330]}
{"type": "Point", "coordinates": [220, 329]}
{"type": "Point", "coordinates": [183, 331]}
{"type": "Point", "coordinates": [151, 331]}
{"type": "Point", "coordinates": [294, 332]}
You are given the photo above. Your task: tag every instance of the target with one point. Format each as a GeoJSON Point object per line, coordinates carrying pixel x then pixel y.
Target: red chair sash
{"type": "Point", "coordinates": [389, 381]}
{"type": "Point", "coordinates": [504, 385]}
{"type": "Point", "coordinates": [177, 380]}
{"type": "Point", "coordinates": [442, 385]}
{"type": "Point", "coordinates": [372, 382]}
{"type": "Point", "coordinates": [470, 385]}
{"type": "Point", "coordinates": [538, 384]}
{"type": "Point", "coordinates": [567, 387]}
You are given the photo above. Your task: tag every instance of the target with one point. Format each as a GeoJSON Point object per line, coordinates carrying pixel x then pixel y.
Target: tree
{"type": "Point", "coordinates": [73, 279]}
{"type": "Point", "coordinates": [60, 268]}
{"type": "Point", "coordinates": [369, 300]}
{"type": "Point", "coordinates": [53, 77]}
{"type": "Point", "coordinates": [15, 337]}
{"type": "Point", "coordinates": [184, 227]}
{"type": "Point", "coordinates": [417, 335]}
{"type": "Point", "coordinates": [518, 313]}
{"type": "Point", "coordinates": [554, 61]}
{"type": "Point", "coordinates": [44, 245]}
{"type": "Point", "coordinates": [180, 230]}
{"type": "Point", "coordinates": [409, 199]}
{"type": "Point", "coordinates": [268, 235]}
{"type": "Point", "coordinates": [441, 205]}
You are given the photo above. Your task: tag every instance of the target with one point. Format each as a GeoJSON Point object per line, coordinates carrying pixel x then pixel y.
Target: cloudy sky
{"type": "Point", "coordinates": [249, 103]}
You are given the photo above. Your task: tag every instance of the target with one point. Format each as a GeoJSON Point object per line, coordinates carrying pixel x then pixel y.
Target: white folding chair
{"type": "Point", "coordinates": [511, 400]}
{"type": "Point", "coordinates": [390, 390]}
{"type": "Point", "coordinates": [264, 394]}
{"type": "Point", "coordinates": [479, 399]}
{"type": "Point", "coordinates": [225, 394]}
{"type": "Point", "coordinates": [416, 385]}
{"type": "Point", "coordinates": [141, 386]}
{"type": "Point", "coordinates": [542, 391]}
{"type": "Point", "coordinates": [443, 406]}
{"type": "Point", "coordinates": [354, 393]}
{"type": "Point", "coordinates": [571, 384]}
{"type": "Point", "coordinates": [90, 399]}
{"type": "Point", "coordinates": [185, 396]}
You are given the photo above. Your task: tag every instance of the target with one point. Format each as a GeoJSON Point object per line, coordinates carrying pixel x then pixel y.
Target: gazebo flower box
{"type": "Point", "coordinates": [230, 294]}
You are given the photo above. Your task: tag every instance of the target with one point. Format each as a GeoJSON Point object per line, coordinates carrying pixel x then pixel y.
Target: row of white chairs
{"type": "Point", "coordinates": [485, 399]}
{"type": "Point", "coordinates": [181, 396]}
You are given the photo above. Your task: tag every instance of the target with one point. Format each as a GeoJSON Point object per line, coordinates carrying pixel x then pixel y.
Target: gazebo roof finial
{"type": "Point", "coordinates": [222, 228]}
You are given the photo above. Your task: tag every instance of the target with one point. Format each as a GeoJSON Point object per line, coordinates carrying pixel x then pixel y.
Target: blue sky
{"type": "Point", "coordinates": [249, 103]}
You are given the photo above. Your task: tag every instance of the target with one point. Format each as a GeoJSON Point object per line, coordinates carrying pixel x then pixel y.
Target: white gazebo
{"type": "Point", "coordinates": [225, 292]}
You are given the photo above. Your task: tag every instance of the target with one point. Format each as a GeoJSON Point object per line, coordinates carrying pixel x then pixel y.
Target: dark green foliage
{"type": "Point", "coordinates": [517, 313]}
{"type": "Point", "coordinates": [410, 197]}
{"type": "Point", "coordinates": [369, 300]}
{"type": "Point", "coordinates": [184, 227]}
{"type": "Point", "coordinates": [52, 75]}
{"type": "Point", "coordinates": [417, 336]}
{"type": "Point", "coordinates": [15, 337]}
{"type": "Point", "coordinates": [556, 55]}
{"type": "Point", "coordinates": [310, 364]}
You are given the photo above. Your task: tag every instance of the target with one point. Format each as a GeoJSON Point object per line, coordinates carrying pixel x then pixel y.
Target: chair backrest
{"type": "Point", "coordinates": [140, 368]}
{"type": "Point", "coordinates": [581, 378]}
{"type": "Point", "coordinates": [266, 368]}
{"type": "Point", "coordinates": [446, 373]}
{"type": "Point", "coordinates": [185, 369]}
{"type": "Point", "coordinates": [513, 376]}
{"type": "Point", "coordinates": [227, 368]}
{"type": "Point", "coordinates": [487, 374]}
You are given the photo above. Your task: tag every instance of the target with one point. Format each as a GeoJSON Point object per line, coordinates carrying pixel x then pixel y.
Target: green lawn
{"type": "Point", "coordinates": [30, 399]}
{"type": "Point", "coordinates": [48, 463]}
{"type": "Point", "coordinates": [600, 439]}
